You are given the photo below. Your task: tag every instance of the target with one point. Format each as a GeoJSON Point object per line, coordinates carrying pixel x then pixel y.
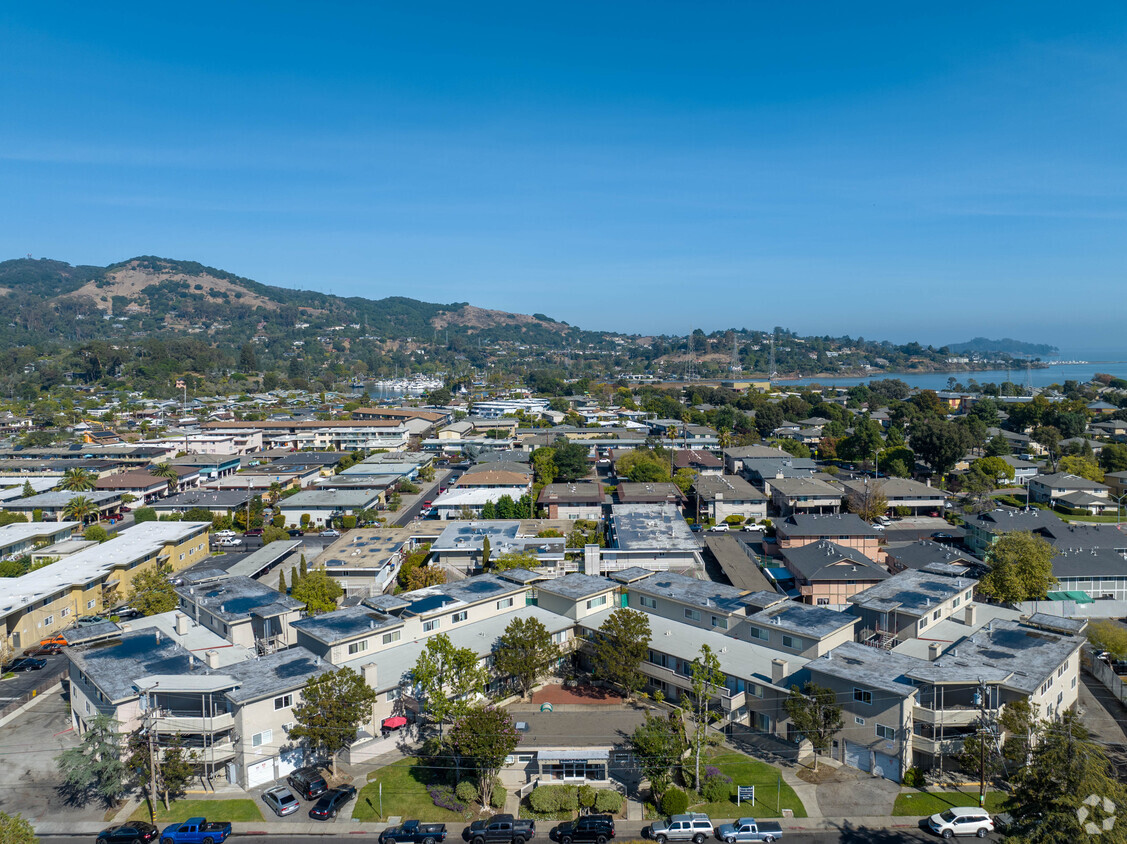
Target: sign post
{"type": "Point", "coordinates": [745, 792]}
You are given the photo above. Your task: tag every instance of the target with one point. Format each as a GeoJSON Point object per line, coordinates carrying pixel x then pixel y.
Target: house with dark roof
{"type": "Point", "coordinates": [827, 574]}
{"type": "Point", "coordinates": [1062, 487]}
{"type": "Point", "coordinates": [576, 500]}
{"type": "Point", "coordinates": [700, 461]}
{"type": "Point", "coordinates": [846, 529]}
{"type": "Point", "coordinates": [901, 492]}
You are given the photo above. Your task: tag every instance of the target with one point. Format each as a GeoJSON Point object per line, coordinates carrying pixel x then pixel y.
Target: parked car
{"type": "Point", "coordinates": [721, 526]}
{"type": "Point", "coordinates": [27, 663]}
{"type": "Point", "coordinates": [331, 801]}
{"type": "Point", "coordinates": [962, 820]}
{"type": "Point", "coordinates": [749, 829]}
{"type": "Point", "coordinates": [125, 612]}
{"type": "Point", "coordinates": [878, 526]}
{"type": "Point", "coordinates": [222, 533]}
{"type": "Point", "coordinates": [333, 532]}
{"type": "Point", "coordinates": [44, 650]}
{"type": "Point", "coordinates": [696, 527]}
{"type": "Point", "coordinates": [596, 828]}
{"type": "Point", "coordinates": [296, 532]}
{"type": "Point", "coordinates": [307, 782]}
{"type": "Point", "coordinates": [253, 532]}
{"type": "Point", "coordinates": [414, 832]}
{"type": "Point", "coordinates": [753, 528]}
{"type": "Point", "coordinates": [695, 827]}
{"type": "Point", "coordinates": [91, 619]}
{"type": "Point", "coordinates": [281, 800]}
{"type": "Point", "coordinates": [135, 832]}
{"type": "Point", "coordinates": [230, 542]}
{"type": "Point", "coordinates": [500, 828]}
{"type": "Point", "coordinates": [195, 831]}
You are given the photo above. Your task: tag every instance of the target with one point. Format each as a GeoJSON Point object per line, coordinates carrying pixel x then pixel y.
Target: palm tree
{"type": "Point", "coordinates": [77, 480]}
{"type": "Point", "coordinates": [167, 471]}
{"type": "Point", "coordinates": [80, 508]}
{"type": "Point", "coordinates": [275, 491]}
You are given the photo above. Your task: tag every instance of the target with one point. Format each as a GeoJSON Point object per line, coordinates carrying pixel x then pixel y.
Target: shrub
{"type": "Point", "coordinates": [497, 796]}
{"type": "Point", "coordinates": [144, 514]}
{"type": "Point", "coordinates": [901, 511]}
{"type": "Point", "coordinates": [550, 799]}
{"type": "Point", "coordinates": [586, 796]}
{"type": "Point", "coordinates": [279, 520]}
{"type": "Point", "coordinates": [674, 801]}
{"type": "Point", "coordinates": [466, 791]}
{"type": "Point", "coordinates": [734, 520]}
{"type": "Point", "coordinates": [305, 519]}
{"type": "Point", "coordinates": [348, 522]}
{"type": "Point", "coordinates": [443, 797]}
{"type": "Point", "coordinates": [96, 533]}
{"type": "Point", "coordinates": [717, 785]}
{"type": "Point", "coordinates": [913, 778]}
{"type": "Point", "coordinates": [37, 515]}
{"type": "Point", "coordinates": [608, 800]}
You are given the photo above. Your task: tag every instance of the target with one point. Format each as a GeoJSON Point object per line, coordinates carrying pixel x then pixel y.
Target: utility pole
{"type": "Point", "coordinates": [980, 699]}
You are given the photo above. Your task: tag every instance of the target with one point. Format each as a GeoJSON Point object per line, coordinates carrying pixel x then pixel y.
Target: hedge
{"type": "Point", "coordinates": [674, 801]}
{"type": "Point", "coordinates": [548, 799]}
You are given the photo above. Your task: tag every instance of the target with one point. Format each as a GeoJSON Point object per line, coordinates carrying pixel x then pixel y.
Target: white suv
{"type": "Point", "coordinates": [962, 820]}
{"type": "Point", "coordinates": [695, 827]}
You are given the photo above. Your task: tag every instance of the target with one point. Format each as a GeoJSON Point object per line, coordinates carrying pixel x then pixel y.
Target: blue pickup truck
{"type": "Point", "coordinates": [414, 832]}
{"type": "Point", "coordinates": [195, 831]}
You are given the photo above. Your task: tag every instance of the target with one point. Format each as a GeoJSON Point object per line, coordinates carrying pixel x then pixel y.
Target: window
{"type": "Point", "coordinates": [823, 602]}
{"type": "Point", "coordinates": [863, 696]}
{"type": "Point", "coordinates": [259, 739]}
{"type": "Point", "coordinates": [1060, 671]}
{"type": "Point", "coordinates": [66, 612]}
{"type": "Point", "coordinates": [559, 638]}
{"type": "Point", "coordinates": [755, 690]}
{"type": "Point", "coordinates": [288, 726]}
{"type": "Point", "coordinates": [935, 616]}
{"type": "Point", "coordinates": [857, 720]}
{"type": "Point", "coordinates": [283, 702]}
{"type": "Point", "coordinates": [393, 636]}
{"type": "Point", "coordinates": [504, 603]}
{"type": "Point", "coordinates": [923, 622]}
{"type": "Point", "coordinates": [357, 647]}
{"type": "Point", "coordinates": [90, 604]}
{"type": "Point", "coordinates": [722, 623]}
{"type": "Point", "coordinates": [886, 732]}
{"type": "Point", "coordinates": [48, 621]}
{"type": "Point", "coordinates": [757, 633]}
{"type": "Point", "coordinates": [693, 615]}
{"type": "Point", "coordinates": [597, 602]}
{"type": "Point", "coordinates": [394, 694]}
{"type": "Point", "coordinates": [647, 601]}
{"type": "Point", "coordinates": [459, 616]}
{"type": "Point", "coordinates": [791, 642]}
{"type": "Point", "coordinates": [433, 624]}
{"type": "Point", "coordinates": [956, 602]}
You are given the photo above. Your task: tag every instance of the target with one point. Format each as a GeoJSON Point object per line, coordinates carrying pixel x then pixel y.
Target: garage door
{"type": "Point", "coordinates": [260, 772]}
{"type": "Point", "coordinates": [886, 766]}
{"type": "Point", "coordinates": [288, 760]}
{"type": "Point", "coordinates": [857, 756]}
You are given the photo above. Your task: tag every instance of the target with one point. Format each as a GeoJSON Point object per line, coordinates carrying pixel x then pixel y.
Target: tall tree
{"type": "Point", "coordinates": [447, 679]}
{"type": "Point", "coordinates": [1069, 790]}
{"type": "Point", "coordinates": [1082, 467]}
{"type": "Point", "coordinates": [168, 472]}
{"type": "Point", "coordinates": [152, 592]}
{"type": "Point", "coordinates": [571, 461]}
{"type": "Point", "coordinates": [176, 768]}
{"type": "Point", "coordinates": [318, 591]}
{"type": "Point", "coordinates": [525, 652]}
{"type": "Point", "coordinates": [14, 829]}
{"type": "Point", "coordinates": [868, 502]}
{"type": "Point", "coordinates": [481, 738]}
{"type": "Point", "coordinates": [707, 681]}
{"type": "Point", "coordinates": [1021, 568]}
{"type": "Point", "coordinates": [333, 707]}
{"type": "Point", "coordinates": [620, 647]}
{"type": "Point", "coordinates": [939, 443]}
{"type": "Point", "coordinates": [815, 713]}
{"type": "Point", "coordinates": [95, 767]}
{"type": "Point", "coordinates": [80, 508]}
{"type": "Point", "coordinates": [659, 744]}
{"type": "Point", "coordinates": [77, 480]}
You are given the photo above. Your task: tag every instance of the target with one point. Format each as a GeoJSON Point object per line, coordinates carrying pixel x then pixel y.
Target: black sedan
{"type": "Point", "coordinates": [331, 801]}
{"type": "Point", "coordinates": [28, 663]}
{"type": "Point", "coordinates": [134, 832]}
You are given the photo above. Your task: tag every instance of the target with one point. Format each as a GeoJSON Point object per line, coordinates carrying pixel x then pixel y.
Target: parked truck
{"type": "Point", "coordinates": [500, 829]}
{"type": "Point", "coordinates": [749, 829]}
{"type": "Point", "coordinates": [414, 832]}
{"type": "Point", "coordinates": [195, 831]}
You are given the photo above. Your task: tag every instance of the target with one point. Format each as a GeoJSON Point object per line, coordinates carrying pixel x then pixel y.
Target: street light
{"type": "Point", "coordinates": [1118, 499]}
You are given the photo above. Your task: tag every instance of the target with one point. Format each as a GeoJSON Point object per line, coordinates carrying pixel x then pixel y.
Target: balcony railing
{"type": "Point", "coordinates": [194, 723]}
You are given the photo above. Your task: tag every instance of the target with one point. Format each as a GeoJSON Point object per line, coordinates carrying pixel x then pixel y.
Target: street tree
{"type": "Point", "coordinates": [317, 590]}
{"type": "Point", "coordinates": [95, 768]}
{"type": "Point", "coordinates": [1069, 791]}
{"type": "Point", "coordinates": [174, 771]}
{"type": "Point", "coordinates": [659, 744]}
{"type": "Point", "coordinates": [481, 738]}
{"type": "Point", "coordinates": [333, 707]}
{"type": "Point", "coordinates": [868, 502]}
{"type": "Point", "coordinates": [620, 647]}
{"type": "Point", "coordinates": [152, 592]}
{"type": "Point", "coordinates": [939, 443]}
{"type": "Point", "coordinates": [447, 679]}
{"type": "Point", "coordinates": [706, 682]}
{"type": "Point", "coordinates": [525, 652]}
{"type": "Point", "coordinates": [80, 508]}
{"type": "Point", "coordinates": [15, 829]}
{"type": "Point", "coordinates": [815, 713]}
{"type": "Point", "coordinates": [1021, 568]}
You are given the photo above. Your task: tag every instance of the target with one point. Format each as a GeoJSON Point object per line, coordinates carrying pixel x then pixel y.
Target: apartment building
{"type": "Point", "coordinates": [572, 501]}
{"type": "Point", "coordinates": [720, 496]}
{"type": "Point", "coordinates": [240, 609]}
{"type": "Point", "coordinates": [804, 495]}
{"type": "Point", "coordinates": [846, 529]}
{"type": "Point", "coordinates": [24, 537]}
{"type": "Point", "coordinates": [48, 600]}
{"type": "Point", "coordinates": [828, 574]}
{"type": "Point", "coordinates": [322, 435]}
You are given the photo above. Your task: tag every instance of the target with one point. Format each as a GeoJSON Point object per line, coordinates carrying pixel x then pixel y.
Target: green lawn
{"type": "Point", "coordinates": [923, 804]}
{"type": "Point", "coordinates": [747, 771]}
{"type": "Point", "coordinates": [1106, 520]}
{"type": "Point", "coordinates": [404, 794]}
{"type": "Point", "coordinates": [213, 810]}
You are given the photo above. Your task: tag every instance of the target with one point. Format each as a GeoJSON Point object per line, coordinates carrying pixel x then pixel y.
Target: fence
{"type": "Point", "coordinates": [1106, 675]}
{"type": "Point", "coordinates": [9, 710]}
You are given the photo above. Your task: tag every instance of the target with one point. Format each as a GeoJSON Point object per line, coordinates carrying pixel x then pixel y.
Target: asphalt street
{"type": "Point", "coordinates": [414, 510]}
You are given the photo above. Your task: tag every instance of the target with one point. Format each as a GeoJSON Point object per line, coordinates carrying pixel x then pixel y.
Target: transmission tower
{"type": "Point", "coordinates": [771, 371]}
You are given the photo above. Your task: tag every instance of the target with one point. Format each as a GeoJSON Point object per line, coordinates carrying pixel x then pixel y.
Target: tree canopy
{"type": "Point", "coordinates": [332, 708]}
{"type": "Point", "coordinates": [620, 647]}
{"type": "Point", "coordinates": [1021, 568]}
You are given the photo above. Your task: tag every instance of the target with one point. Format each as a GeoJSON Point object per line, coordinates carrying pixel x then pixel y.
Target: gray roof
{"type": "Point", "coordinates": [274, 673]}
{"type": "Point", "coordinates": [913, 592]}
{"type": "Point", "coordinates": [320, 499]}
{"type": "Point", "coordinates": [872, 668]}
{"type": "Point", "coordinates": [749, 451]}
{"type": "Point", "coordinates": [837, 524]}
{"type": "Point", "coordinates": [780, 467]}
{"type": "Point", "coordinates": [253, 564]}
{"type": "Point", "coordinates": [639, 527]}
{"type": "Point", "coordinates": [1057, 623]}
{"type": "Point", "coordinates": [916, 555]}
{"type": "Point", "coordinates": [790, 487]}
{"type": "Point", "coordinates": [689, 590]}
{"type": "Point", "coordinates": [576, 586]}
{"type": "Point", "coordinates": [731, 487]}
{"type": "Point", "coordinates": [629, 575]}
{"type": "Point", "coordinates": [113, 666]}
{"type": "Point", "coordinates": [1064, 480]}
{"type": "Point", "coordinates": [60, 499]}
{"type": "Point", "coordinates": [342, 625]}
{"type": "Point", "coordinates": [1089, 562]}
{"type": "Point", "coordinates": [824, 560]}
{"type": "Point", "coordinates": [237, 598]}
{"type": "Point", "coordinates": [228, 499]}
{"type": "Point", "coordinates": [804, 619]}
{"type": "Point", "coordinates": [736, 565]}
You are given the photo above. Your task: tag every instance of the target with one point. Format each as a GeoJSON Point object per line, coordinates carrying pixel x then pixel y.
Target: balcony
{"type": "Point", "coordinates": [937, 747]}
{"type": "Point", "coordinates": [953, 716]}
{"type": "Point", "coordinates": [194, 724]}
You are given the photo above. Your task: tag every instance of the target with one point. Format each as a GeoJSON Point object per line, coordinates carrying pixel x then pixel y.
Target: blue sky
{"type": "Point", "coordinates": [891, 170]}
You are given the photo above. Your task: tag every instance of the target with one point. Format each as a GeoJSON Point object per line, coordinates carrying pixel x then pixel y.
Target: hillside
{"type": "Point", "coordinates": [1005, 346]}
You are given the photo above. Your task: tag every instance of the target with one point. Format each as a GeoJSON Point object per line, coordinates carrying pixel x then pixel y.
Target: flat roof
{"type": "Point", "coordinates": [873, 668]}
{"type": "Point", "coordinates": [836, 524]}
{"type": "Point", "coordinates": [60, 499]}
{"type": "Point", "coordinates": [211, 499]}
{"type": "Point", "coordinates": [237, 598]}
{"type": "Point", "coordinates": [689, 590]}
{"type": "Point", "coordinates": [114, 665]}
{"type": "Point", "coordinates": [19, 532]}
{"type": "Point", "coordinates": [803, 619]}
{"type": "Point", "coordinates": [576, 586]}
{"type": "Point", "coordinates": [638, 527]}
{"type": "Point", "coordinates": [344, 624]}
{"type": "Point", "coordinates": [254, 563]}
{"type": "Point", "coordinates": [914, 591]}
{"type": "Point", "coordinates": [322, 498]}
{"type": "Point", "coordinates": [741, 570]}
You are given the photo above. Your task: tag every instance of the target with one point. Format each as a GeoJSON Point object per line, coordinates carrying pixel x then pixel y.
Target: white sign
{"type": "Point", "coordinates": [745, 792]}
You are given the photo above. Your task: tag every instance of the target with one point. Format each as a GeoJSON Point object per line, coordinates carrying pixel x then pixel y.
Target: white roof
{"type": "Point", "coordinates": [18, 532]}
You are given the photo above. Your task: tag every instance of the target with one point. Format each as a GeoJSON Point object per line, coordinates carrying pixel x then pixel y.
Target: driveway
{"type": "Point", "coordinates": [851, 792]}
{"type": "Point", "coordinates": [29, 745]}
